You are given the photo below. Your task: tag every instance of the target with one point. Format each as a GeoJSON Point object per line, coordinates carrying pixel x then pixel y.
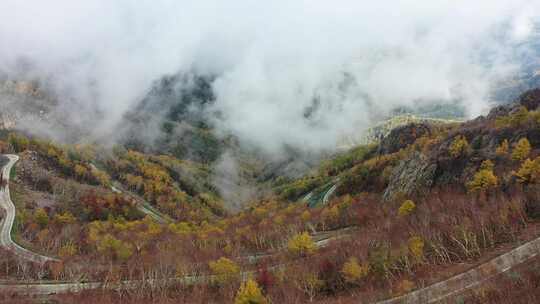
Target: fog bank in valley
{"type": "Point", "coordinates": [285, 73]}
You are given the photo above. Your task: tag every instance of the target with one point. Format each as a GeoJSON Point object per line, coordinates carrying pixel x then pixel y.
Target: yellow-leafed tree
{"type": "Point", "coordinates": [503, 148]}
{"type": "Point", "coordinates": [301, 244]}
{"type": "Point", "coordinates": [406, 208]}
{"type": "Point", "coordinates": [250, 293]}
{"type": "Point", "coordinates": [522, 149]}
{"type": "Point", "coordinates": [81, 171]}
{"type": "Point", "coordinates": [225, 270]}
{"type": "Point", "coordinates": [41, 217]}
{"type": "Point", "coordinates": [352, 271]}
{"type": "Point", "coordinates": [459, 147]}
{"type": "Point", "coordinates": [484, 178]}
{"type": "Point", "coordinates": [416, 247]}
{"type": "Point", "coordinates": [529, 172]}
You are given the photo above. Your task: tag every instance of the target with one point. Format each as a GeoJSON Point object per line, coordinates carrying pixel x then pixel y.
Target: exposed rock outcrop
{"type": "Point", "coordinates": [7, 121]}
{"type": "Point", "coordinates": [411, 177]}
{"type": "Point", "coordinates": [530, 99]}
{"type": "Point", "coordinates": [403, 136]}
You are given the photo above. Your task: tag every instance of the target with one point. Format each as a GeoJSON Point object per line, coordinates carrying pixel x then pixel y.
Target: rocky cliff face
{"type": "Point", "coordinates": [19, 99]}
{"type": "Point", "coordinates": [411, 177]}
{"type": "Point", "coordinates": [383, 129]}
{"type": "Point", "coordinates": [438, 168]}
{"type": "Point", "coordinates": [530, 99]}
{"type": "Point", "coordinates": [403, 136]}
{"type": "Point", "coordinates": [7, 121]}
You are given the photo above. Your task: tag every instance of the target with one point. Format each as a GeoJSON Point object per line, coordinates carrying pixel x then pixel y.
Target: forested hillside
{"type": "Point", "coordinates": [374, 222]}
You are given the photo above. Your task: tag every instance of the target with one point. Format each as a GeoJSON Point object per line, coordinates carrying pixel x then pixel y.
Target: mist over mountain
{"type": "Point", "coordinates": [527, 77]}
{"type": "Point", "coordinates": [287, 151]}
{"type": "Point", "coordinates": [173, 118]}
{"type": "Point", "coordinates": [277, 75]}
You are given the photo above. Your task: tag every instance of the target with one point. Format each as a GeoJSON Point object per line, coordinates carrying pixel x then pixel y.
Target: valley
{"type": "Point", "coordinates": [248, 152]}
{"type": "Point", "coordinates": [318, 219]}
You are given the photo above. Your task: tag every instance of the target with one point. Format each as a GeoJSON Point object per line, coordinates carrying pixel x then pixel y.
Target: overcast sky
{"type": "Point", "coordinates": [271, 58]}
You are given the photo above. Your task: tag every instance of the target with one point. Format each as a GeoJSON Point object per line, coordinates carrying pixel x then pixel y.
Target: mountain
{"type": "Point", "coordinates": [426, 202]}
{"type": "Point", "coordinates": [527, 54]}
{"type": "Point", "coordinates": [176, 107]}
{"type": "Point", "coordinates": [425, 194]}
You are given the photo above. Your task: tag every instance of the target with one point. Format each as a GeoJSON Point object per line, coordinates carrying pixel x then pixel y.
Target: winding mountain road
{"type": "Point", "coordinates": [437, 292]}
{"type": "Point", "coordinates": [431, 294]}
{"type": "Point", "coordinates": [472, 278]}
{"type": "Point", "coordinates": [324, 199]}
{"type": "Point", "coordinates": [7, 222]}
{"type": "Point", "coordinates": [328, 194]}
{"type": "Point", "coordinates": [141, 204]}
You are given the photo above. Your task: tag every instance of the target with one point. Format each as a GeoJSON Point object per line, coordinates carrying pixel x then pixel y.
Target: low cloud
{"type": "Point", "coordinates": [287, 73]}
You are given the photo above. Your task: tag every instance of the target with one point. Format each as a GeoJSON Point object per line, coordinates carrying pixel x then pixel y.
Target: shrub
{"type": "Point", "coordinates": [19, 143]}
{"type": "Point", "coordinates": [250, 293]}
{"type": "Point", "coordinates": [354, 181]}
{"type": "Point", "coordinates": [64, 218]}
{"type": "Point", "coordinates": [294, 190]}
{"type": "Point", "coordinates": [459, 146]}
{"type": "Point", "coordinates": [123, 251]}
{"type": "Point", "coordinates": [516, 119]}
{"type": "Point", "coordinates": [330, 214]}
{"type": "Point", "coordinates": [43, 182]}
{"type": "Point", "coordinates": [81, 171]}
{"type": "Point", "coordinates": [416, 247]}
{"type": "Point", "coordinates": [345, 161]}
{"type": "Point", "coordinates": [519, 117]}
{"type": "Point", "coordinates": [352, 271]}
{"type": "Point", "coordinates": [225, 270]}
{"type": "Point", "coordinates": [484, 178]}
{"type": "Point", "coordinates": [279, 219]}
{"type": "Point", "coordinates": [301, 244]}
{"type": "Point", "coordinates": [529, 172]}
{"type": "Point", "coordinates": [41, 217]}
{"type": "Point", "coordinates": [308, 282]}
{"type": "Point", "coordinates": [101, 178]}
{"type": "Point", "coordinates": [67, 250]}
{"type": "Point", "coordinates": [117, 248]}
{"type": "Point", "coordinates": [380, 261]}
{"type": "Point", "coordinates": [521, 150]}
{"type": "Point", "coordinates": [265, 279]}
{"type": "Point", "coordinates": [305, 216]}
{"type": "Point", "coordinates": [503, 148]}
{"type": "Point", "coordinates": [487, 165]}
{"type": "Point", "coordinates": [406, 208]}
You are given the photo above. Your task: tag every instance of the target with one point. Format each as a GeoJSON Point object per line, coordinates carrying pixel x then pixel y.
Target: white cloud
{"type": "Point", "coordinates": [271, 58]}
